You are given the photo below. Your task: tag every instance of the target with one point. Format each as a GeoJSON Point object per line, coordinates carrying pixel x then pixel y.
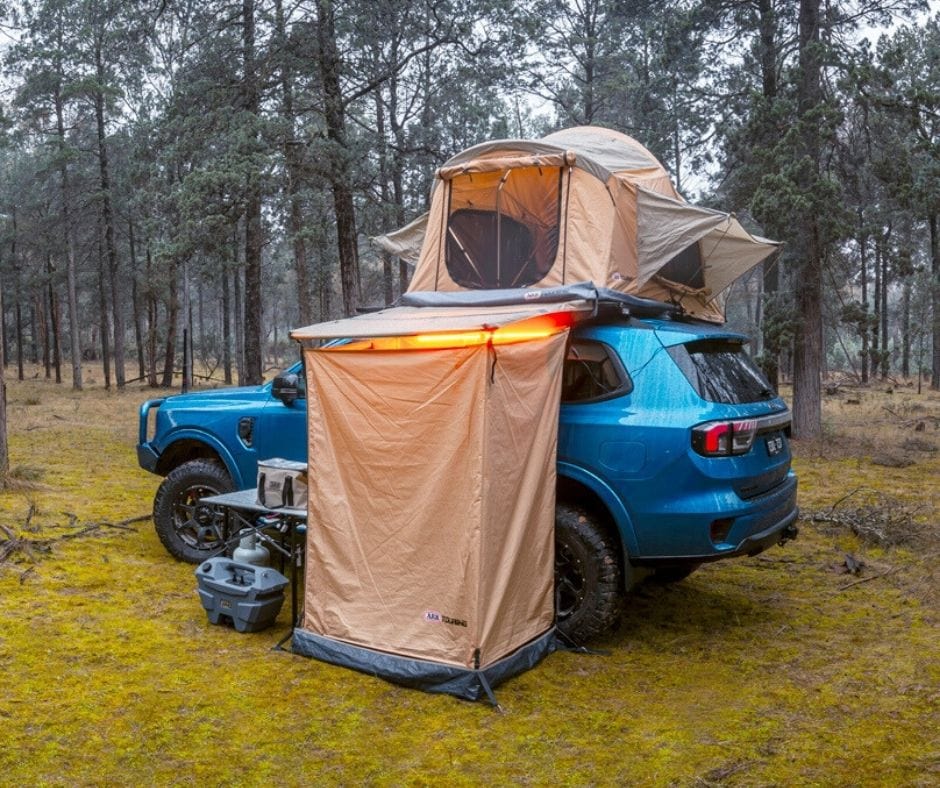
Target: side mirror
{"type": "Point", "coordinates": [288, 387]}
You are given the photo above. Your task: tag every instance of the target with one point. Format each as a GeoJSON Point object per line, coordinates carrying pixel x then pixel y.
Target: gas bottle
{"type": "Point", "coordinates": [250, 552]}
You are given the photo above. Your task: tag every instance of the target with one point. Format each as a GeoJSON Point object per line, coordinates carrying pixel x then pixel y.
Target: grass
{"type": "Point", "coordinates": [775, 670]}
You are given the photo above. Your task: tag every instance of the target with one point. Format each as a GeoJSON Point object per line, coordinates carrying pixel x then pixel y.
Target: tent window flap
{"type": "Point", "coordinates": [503, 227]}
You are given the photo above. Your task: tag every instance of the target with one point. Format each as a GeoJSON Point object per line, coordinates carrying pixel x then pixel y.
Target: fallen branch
{"type": "Point", "coordinates": [867, 579]}
{"type": "Point", "coordinates": [906, 422]}
{"type": "Point", "coordinates": [881, 519]}
{"type": "Point", "coordinates": [16, 544]}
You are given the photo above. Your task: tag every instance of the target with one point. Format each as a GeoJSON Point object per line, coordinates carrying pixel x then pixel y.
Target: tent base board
{"type": "Point", "coordinates": [426, 675]}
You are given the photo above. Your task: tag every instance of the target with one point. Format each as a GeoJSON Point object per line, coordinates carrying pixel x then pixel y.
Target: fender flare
{"type": "Point", "coordinates": [610, 500]}
{"type": "Point", "coordinates": [213, 443]}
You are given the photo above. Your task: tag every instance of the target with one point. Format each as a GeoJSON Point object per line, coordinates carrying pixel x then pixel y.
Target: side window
{"type": "Point", "coordinates": [593, 372]}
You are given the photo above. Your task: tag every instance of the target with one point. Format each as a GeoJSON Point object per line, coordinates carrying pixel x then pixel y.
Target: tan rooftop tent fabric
{"type": "Point", "coordinates": [405, 243]}
{"type": "Point", "coordinates": [583, 204]}
{"type": "Point", "coordinates": [431, 514]}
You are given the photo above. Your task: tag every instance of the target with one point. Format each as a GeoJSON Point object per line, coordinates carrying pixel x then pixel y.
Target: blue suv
{"type": "Point", "coordinates": [672, 451]}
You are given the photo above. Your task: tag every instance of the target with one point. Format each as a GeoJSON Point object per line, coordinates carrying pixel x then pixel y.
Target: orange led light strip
{"type": "Point", "coordinates": [523, 331]}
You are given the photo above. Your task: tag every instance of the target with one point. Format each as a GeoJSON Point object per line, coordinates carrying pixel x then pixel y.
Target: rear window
{"type": "Point", "coordinates": [593, 372]}
{"type": "Point", "coordinates": [720, 371]}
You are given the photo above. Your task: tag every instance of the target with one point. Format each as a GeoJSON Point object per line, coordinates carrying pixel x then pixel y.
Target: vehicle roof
{"type": "Point", "coordinates": [696, 328]}
{"type": "Point", "coordinates": [675, 332]}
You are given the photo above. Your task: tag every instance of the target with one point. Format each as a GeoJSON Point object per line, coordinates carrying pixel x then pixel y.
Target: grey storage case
{"type": "Point", "coordinates": [249, 596]}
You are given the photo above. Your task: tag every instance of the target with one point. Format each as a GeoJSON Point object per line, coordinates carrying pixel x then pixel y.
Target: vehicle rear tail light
{"type": "Point", "coordinates": [724, 438]}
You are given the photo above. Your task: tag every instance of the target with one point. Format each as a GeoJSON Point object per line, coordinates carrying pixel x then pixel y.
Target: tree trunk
{"type": "Point", "coordinates": [226, 328]}
{"type": "Point", "coordinates": [771, 269]}
{"type": "Point", "coordinates": [55, 322]}
{"type": "Point", "coordinates": [383, 193]}
{"type": "Point", "coordinates": [906, 328]}
{"type": "Point", "coordinates": [807, 350]}
{"type": "Point", "coordinates": [172, 318]}
{"type": "Point", "coordinates": [20, 361]}
{"type": "Point", "coordinates": [253, 240]}
{"type": "Point", "coordinates": [107, 219]}
{"type": "Point", "coordinates": [398, 175]}
{"type": "Point", "coordinates": [103, 311]}
{"type": "Point", "coordinates": [44, 321]}
{"type": "Point", "coordinates": [876, 314]}
{"type": "Point", "coordinates": [325, 287]}
{"type": "Point", "coordinates": [863, 249]}
{"type": "Point", "coordinates": [335, 116]}
{"type": "Point", "coordinates": [200, 314]}
{"type": "Point", "coordinates": [135, 302]}
{"type": "Point", "coordinates": [885, 354]}
{"type": "Point", "coordinates": [239, 329]}
{"type": "Point", "coordinates": [292, 165]}
{"type": "Point", "coordinates": [935, 297]}
{"type": "Point", "coordinates": [138, 320]}
{"type": "Point", "coordinates": [187, 314]}
{"type": "Point", "coordinates": [36, 325]}
{"type": "Point", "coordinates": [152, 316]}
{"type": "Point", "coordinates": [4, 334]}
{"type": "Point", "coordinates": [75, 347]}
{"type": "Point", "coordinates": [18, 295]}
{"type": "Point", "coordinates": [4, 446]}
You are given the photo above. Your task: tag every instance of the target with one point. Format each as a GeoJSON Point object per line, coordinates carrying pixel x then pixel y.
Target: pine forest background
{"type": "Point", "coordinates": [219, 167]}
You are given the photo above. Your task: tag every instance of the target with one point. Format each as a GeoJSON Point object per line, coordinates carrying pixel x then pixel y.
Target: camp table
{"type": "Point", "coordinates": [240, 510]}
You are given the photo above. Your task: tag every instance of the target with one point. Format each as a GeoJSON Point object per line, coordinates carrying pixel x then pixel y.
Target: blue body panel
{"type": "Point", "coordinates": [212, 418]}
{"type": "Point", "coordinates": [633, 452]}
{"type": "Point", "coordinates": [640, 446]}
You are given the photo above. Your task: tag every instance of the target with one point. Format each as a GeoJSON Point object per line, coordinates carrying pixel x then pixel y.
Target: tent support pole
{"type": "Point", "coordinates": [564, 247]}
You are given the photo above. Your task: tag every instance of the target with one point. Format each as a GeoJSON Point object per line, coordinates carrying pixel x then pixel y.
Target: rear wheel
{"type": "Point", "coordinates": [188, 529]}
{"type": "Point", "coordinates": [588, 581]}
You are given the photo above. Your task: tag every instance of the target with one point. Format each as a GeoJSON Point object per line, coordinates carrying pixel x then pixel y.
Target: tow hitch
{"type": "Point", "coordinates": [788, 533]}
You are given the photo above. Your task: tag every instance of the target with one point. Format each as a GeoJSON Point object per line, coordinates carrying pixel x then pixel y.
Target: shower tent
{"type": "Point", "coordinates": [431, 507]}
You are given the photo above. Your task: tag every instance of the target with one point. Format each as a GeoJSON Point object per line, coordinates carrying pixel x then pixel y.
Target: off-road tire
{"type": "Point", "coordinates": [666, 575]}
{"type": "Point", "coordinates": [190, 532]}
{"type": "Point", "coordinates": [588, 582]}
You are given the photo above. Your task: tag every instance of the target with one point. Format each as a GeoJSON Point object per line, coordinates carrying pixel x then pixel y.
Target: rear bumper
{"type": "Point", "coordinates": [783, 532]}
{"type": "Point", "coordinates": [779, 533]}
{"type": "Point", "coordinates": [685, 534]}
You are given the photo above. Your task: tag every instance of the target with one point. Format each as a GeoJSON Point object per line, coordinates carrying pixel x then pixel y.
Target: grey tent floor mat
{"type": "Point", "coordinates": [425, 675]}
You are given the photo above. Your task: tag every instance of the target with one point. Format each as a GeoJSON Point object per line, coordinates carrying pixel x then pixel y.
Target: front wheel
{"type": "Point", "coordinates": [588, 578]}
{"type": "Point", "coordinates": [190, 530]}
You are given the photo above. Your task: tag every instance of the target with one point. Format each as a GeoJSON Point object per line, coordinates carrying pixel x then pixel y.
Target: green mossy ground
{"type": "Point", "coordinates": [773, 670]}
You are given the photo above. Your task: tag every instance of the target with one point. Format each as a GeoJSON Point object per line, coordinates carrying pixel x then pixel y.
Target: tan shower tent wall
{"type": "Point", "coordinates": [432, 442]}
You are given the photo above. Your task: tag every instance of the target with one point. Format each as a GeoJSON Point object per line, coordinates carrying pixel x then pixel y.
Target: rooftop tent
{"type": "Point", "coordinates": [583, 204]}
{"type": "Point", "coordinates": [430, 540]}
{"type": "Point", "coordinates": [405, 242]}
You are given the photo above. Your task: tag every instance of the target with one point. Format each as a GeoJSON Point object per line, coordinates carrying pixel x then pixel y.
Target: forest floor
{"type": "Point", "coordinates": [814, 663]}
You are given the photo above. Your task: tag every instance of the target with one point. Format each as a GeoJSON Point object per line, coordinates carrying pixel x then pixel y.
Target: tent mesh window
{"type": "Point", "coordinates": [685, 268]}
{"type": "Point", "coordinates": [503, 227]}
